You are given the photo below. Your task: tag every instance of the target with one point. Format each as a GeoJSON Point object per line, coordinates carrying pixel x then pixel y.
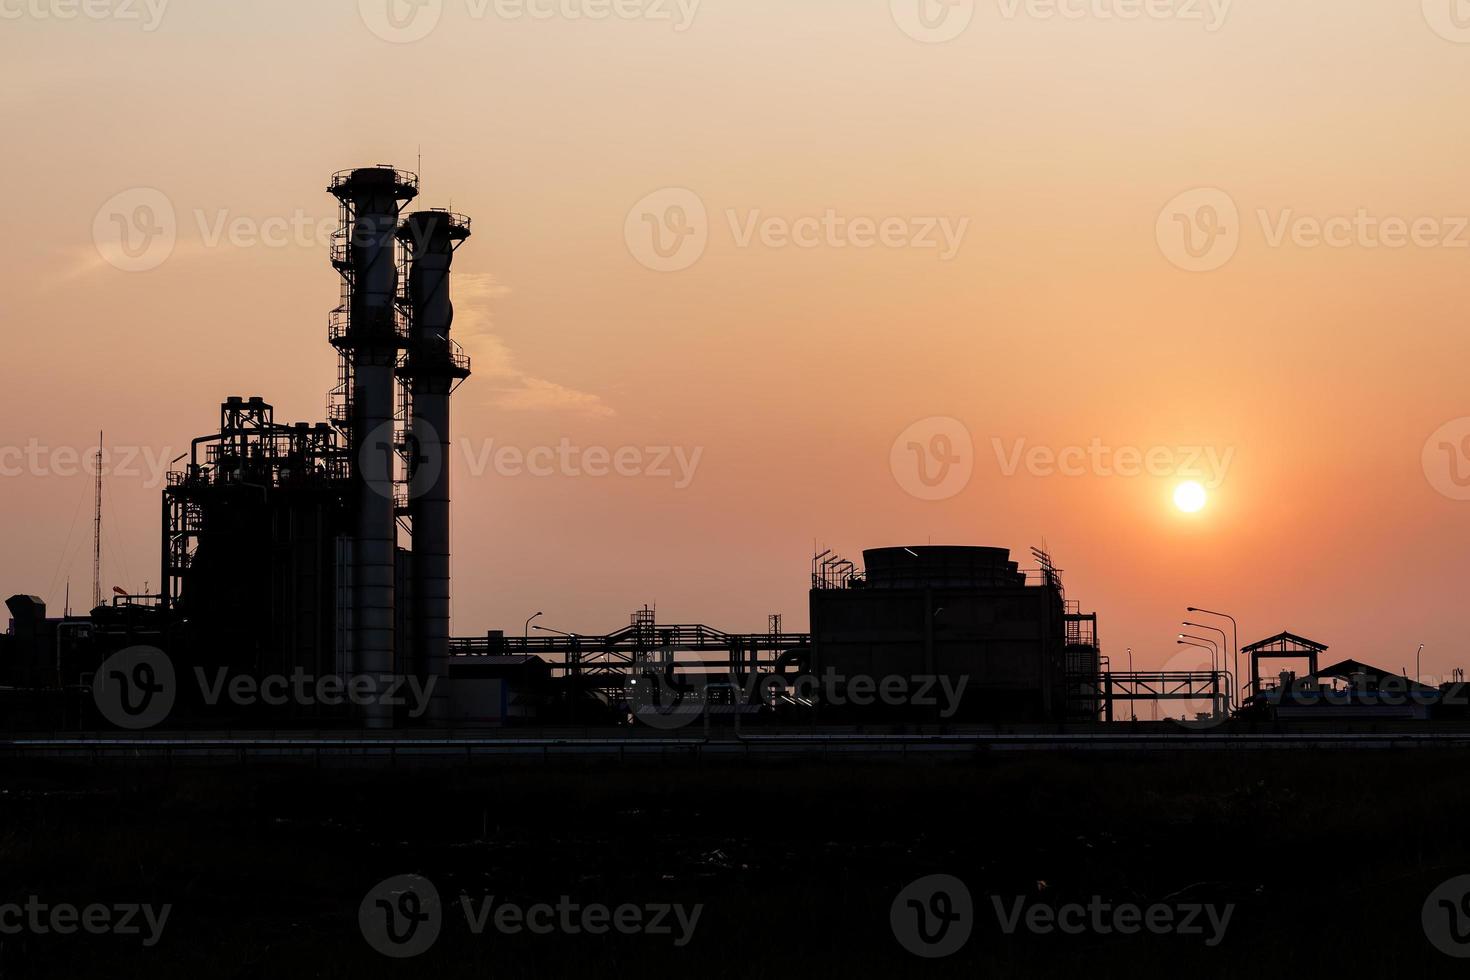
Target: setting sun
{"type": "Point", "coordinates": [1190, 497]}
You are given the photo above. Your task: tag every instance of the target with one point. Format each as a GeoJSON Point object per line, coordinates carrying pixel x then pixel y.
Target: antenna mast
{"type": "Point", "coordinates": [97, 532]}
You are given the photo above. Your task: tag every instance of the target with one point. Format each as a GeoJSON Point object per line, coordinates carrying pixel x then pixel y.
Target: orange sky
{"type": "Point", "coordinates": [1061, 319]}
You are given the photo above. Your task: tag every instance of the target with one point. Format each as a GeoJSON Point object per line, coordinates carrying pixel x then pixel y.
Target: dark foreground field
{"type": "Point", "coordinates": [1325, 859]}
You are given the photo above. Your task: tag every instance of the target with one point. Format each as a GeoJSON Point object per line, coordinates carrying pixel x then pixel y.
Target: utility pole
{"type": "Point", "coordinates": [97, 531]}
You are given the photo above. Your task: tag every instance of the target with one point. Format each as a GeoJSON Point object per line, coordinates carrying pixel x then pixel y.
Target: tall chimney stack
{"type": "Point", "coordinates": [435, 366]}
{"type": "Point", "coordinates": [366, 329]}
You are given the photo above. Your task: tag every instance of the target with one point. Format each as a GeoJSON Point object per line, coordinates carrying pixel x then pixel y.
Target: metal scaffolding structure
{"type": "Point", "coordinates": [1168, 685]}
{"type": "Point", "coordinates": [644, 646]}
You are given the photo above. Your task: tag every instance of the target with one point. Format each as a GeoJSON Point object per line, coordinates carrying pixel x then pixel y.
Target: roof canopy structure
{"type": "Point", "coordinates": [1282, 646]}
{"type": "Point", "coordinates": [1348, 669]}
{"type": "Point", "coordinates": [1285, 644]}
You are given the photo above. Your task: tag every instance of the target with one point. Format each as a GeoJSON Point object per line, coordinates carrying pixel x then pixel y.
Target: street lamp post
{"type": "Point", "coordinates": [527, 633]}
{"type": "Point", "coordinates": [1224, 644]}
{"type": "Point", "coordinates": [1234, 632]}
{"type": "Point", "coordinates": [1187, 638]}
{"type": "Point", "coordinates": [1132, 714]}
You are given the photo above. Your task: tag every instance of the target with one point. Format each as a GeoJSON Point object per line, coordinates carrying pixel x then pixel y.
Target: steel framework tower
{"type": "Point", "coordinates": [97, 531]}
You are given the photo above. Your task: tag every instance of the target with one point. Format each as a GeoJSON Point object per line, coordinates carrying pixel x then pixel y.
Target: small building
{"type": "Point", "coordinates": [1346, 690]}
{"type": "Point", "coordinates": [498, 690]}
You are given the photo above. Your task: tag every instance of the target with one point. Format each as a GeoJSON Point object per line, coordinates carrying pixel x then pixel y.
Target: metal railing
{"type": "Point", "coordinates": [340, 331]}
{"type": "Point", "coordinates": [405, 179]}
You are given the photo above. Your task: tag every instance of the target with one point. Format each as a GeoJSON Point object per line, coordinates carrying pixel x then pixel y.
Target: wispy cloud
{"type": "Point", "coordinates": [538, 395]}
{"type": "Point", "coordinates": [105, 258]}
{"type": "Point", "coordinates": [514, 389]}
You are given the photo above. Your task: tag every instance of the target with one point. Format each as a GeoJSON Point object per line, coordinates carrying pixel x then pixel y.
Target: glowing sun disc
{"type": "Point", "coordinates": [1190, 497]}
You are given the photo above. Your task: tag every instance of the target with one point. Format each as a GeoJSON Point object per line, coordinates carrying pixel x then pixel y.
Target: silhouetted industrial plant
{"type": "Point", "coordinates": [322, 549]}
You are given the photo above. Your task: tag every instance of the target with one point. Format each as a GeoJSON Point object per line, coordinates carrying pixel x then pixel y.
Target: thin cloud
{"type": "Point", "coordinates": [539, 395]}
{"type": "Point", "coordinates": [474, 323]}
